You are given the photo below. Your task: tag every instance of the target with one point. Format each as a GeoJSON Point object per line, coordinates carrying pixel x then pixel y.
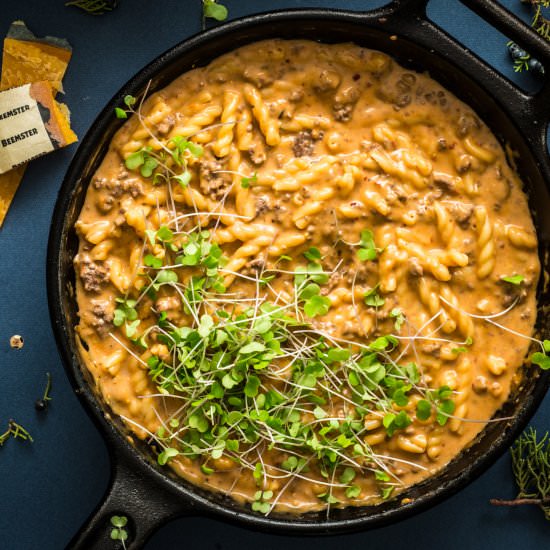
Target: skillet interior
{"type": "Point", "coordinates": [327, 27]}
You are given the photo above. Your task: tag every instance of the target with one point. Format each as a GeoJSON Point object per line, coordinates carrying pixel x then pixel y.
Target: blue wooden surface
{"type": "Point", "coordinates": [47, 489]}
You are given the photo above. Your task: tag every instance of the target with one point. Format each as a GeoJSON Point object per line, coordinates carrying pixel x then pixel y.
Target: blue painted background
{"type": "Point", "coordinates": [48, 488]}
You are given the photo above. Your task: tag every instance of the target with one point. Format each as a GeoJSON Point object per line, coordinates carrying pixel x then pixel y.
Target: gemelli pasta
{"type": "Point", "coordinates": [306, 276]}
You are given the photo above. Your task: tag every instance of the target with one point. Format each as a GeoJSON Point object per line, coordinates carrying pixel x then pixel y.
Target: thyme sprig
{"type": "Point", "coordinates": [42, 404]}
{"type": "Point", "coordinates": [15, 431]}
{"type": "Point", "coordinates": [94, 7]}
{"type": "Point", "coordinates": [522, 59]}
{"type": "Point", "coordinates": [531, 469]}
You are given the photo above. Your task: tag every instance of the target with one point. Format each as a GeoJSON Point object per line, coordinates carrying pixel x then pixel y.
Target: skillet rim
{"type": "Point", "coordinates": [115, 439]}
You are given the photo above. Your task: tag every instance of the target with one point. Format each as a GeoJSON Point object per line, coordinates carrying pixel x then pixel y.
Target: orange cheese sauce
{"type": "Point", "coordinates": [308, 145]}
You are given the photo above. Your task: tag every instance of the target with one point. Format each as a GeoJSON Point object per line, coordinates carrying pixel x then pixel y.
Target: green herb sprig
{"type": "Point", "coordinates": [94, 7]}
{"type": "Point", "coordinates": [531, 469]}
{"type": "Point", "coordinates": [367, 250]}
{"type": "Point", "coordinates": [42, 404]}
{"type": "Point", "coordinates": [522, 59]}
{"type": "Point", "coordinates": [15, 431]}
{"type": "Point", "coordinates": [307, 281]}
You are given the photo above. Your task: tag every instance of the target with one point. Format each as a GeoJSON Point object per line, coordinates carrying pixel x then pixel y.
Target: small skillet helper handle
{"type": "Point", "coordinates": [133, 495]}
{"type": "Point", "coordinates": [513, 27]}
{"type": "Point", "coordinates": [530, 112]}
{"type": "Point", "coordinates": [535, 107]}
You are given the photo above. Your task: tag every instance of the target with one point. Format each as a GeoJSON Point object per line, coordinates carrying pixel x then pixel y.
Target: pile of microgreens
{"type": "Point", "coordinates": [253, 375]}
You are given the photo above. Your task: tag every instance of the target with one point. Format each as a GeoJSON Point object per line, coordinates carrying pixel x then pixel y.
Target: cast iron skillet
{"type": "Point", "coordinates": [149, 495]}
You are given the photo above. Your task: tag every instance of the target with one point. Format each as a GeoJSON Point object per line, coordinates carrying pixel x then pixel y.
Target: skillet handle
{"type": "Point", "coordinates": [135, 494]}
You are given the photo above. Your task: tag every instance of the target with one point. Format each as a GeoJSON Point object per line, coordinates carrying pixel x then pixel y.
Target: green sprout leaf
{"type": "Point", "coordinates": [513, 279]}
{"type": "Point", "coordinates": [317, 305]}
{"type": "Point", "coordinates": [129, 101]}
{"type": "Point", "coordinates": [397, 314]}
{"type": "Point", "coordinates": [423, 409]}
{"type": "Point", "coordinates": [213, 10]}
{"type": "Point", "coordinates": [152, 261]}
{"type": "Point", "coordinates": [246, 181]}
{"type": "Point", "coordinates": [347, 476]}
{"type": "Point", "coordinates": [135, 160]}
{"type": "Point", "coordinates": [252, 386]}
{"type": "Point", "coordinates": [368, 249]}
{"type": "Point", "coordinates": [373, 299]}
{"type": "Point", "coordinates": [444, 409]}
{"type": "Point", "coordinates": [313, 254]}
{"type": "Point", "coordinates": [541, 359]}
{"type": "Point", "coordinates": [166, 455]}
{"type": "Point", "coordinates": [183, 179]}
{"type": "Point", "coordinates": [379, 475]}
{"type": "Point", "coordinates": [119, 521]}
{"type": "Point", "coordinates": [353, 492]}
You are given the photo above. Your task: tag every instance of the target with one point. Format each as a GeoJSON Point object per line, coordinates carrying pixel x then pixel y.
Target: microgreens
{"type": "Point", "coordinates": [211, 9]}
{"type": "Point", "coordinates": [368, 250]}
{"type": "Point", "coordinates": [373, 299]}
{"type": "Point", "coordinates": [144, 160]}
{"type": "Point", "coordinates": [246, 181]}
{"type": "Point", "coordinates": [306, 283]}
{"type": "Point", "coordinates": [126, 314]}
{"type": "Point", "coordinates": [182, 145]}
{"type": "Point", "coordinates": [393, 422]}
{"type": "Point", "coordinates": [118, 532]}
{"type": "Point", "coordinates": [513, 279]}
{"type": "Point", "coordinates": [463, 349]}
{"type": "Point", "coordinates": [399, 317]}
{"type": "Point", "coordinates": [129, 101]}
{"type": "Point", "coordinates": [441, 400]}
{"type": "Point", "coordinates": [541, 358]}
{"type": "Point", "coordinates": [261, 501]}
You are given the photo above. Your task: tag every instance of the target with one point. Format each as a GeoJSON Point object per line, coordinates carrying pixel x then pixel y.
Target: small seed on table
{"type": "Point", "coordinates": [16, 341]}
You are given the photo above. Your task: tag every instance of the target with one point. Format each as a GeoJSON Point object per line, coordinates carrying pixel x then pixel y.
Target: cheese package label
{"type": "Point", "coordinates": [23, 133]}
{"type": "Point", "coordinates": [31, 124]}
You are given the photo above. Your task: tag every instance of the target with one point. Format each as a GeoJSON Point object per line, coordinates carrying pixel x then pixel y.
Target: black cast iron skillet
{"type": "Point", "coordinates": [149, 495]}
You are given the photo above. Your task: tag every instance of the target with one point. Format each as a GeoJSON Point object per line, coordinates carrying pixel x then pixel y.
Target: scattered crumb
{"type": "Point", "coordinates": [16, 341]}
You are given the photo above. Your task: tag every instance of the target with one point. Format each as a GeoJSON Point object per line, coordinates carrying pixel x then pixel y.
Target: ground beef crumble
{"type": "Point", "coordinates": [102, 316]}
{"type": "Point", "coordinates": [92, 274]}
{"type": "Point", "coordinates": [213, 183]}
{"type": "Point", "coordinates": [303, 145]}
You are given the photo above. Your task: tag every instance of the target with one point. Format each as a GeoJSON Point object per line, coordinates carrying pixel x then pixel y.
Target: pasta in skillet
{"type": "Point", "coordinates": [297, 275]}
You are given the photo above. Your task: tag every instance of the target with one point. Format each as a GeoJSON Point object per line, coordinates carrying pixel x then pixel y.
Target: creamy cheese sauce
{"type": "Point", "coordinates": [297, 145]}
